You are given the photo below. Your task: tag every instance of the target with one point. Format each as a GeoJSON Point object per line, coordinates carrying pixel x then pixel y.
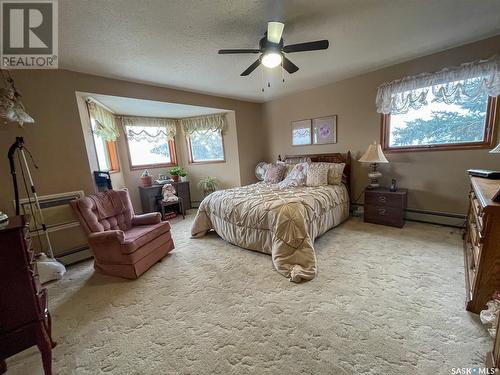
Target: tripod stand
{"type": "Point", "coordinates": [18, 146]}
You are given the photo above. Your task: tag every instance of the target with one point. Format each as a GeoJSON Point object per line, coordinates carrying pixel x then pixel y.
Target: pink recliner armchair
{"type": "Point", "coordinates": [123, 244]}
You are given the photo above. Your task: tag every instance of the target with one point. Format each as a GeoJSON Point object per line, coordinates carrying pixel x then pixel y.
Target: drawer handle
{"type": "Point", "coordinates": [381, 211]}
{"type": "Point", "coordinates": [382, 199]}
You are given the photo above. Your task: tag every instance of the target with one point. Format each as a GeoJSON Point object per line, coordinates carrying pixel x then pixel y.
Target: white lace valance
{"type": "Point", "coordinates": [105, 126]}
{"type": "Point", "coordinates": [451, 85]}
{"type": "Point", "coordinates": [203, 123]}
{"type": "Point", "coordinates": [149, 128]}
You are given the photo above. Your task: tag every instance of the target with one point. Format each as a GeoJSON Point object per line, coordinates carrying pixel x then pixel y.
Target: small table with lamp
{"type": "Point", "coordinates": [384, 206]}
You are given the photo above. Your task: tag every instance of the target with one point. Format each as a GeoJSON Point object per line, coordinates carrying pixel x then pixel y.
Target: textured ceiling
{"type": "Point", "coordinates": [174, 43]}
{"type": "Point", "coordinates": [150, 108]}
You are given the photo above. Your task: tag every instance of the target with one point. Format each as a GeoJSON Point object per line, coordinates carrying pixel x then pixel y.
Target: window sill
{"type": "Point", "coordinates": [206, 162]}
{"type": "Point", "coordinates": [152, 166]}
{"type": "Point", "coordinates": [451, 147]}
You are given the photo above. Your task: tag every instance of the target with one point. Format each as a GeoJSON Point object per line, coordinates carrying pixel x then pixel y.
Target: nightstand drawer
{"type": "Point", "coordinates": [385, 215]}
{"type": "Point", "coordinates": [385, 199]}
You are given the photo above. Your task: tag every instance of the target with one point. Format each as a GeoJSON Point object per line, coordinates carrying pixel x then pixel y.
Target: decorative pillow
{"type": "Point", "coordinates": [289, 168]}
{"type": "Point", "coordinates": [296, 177]}
{"type": "Point", "coordinates": [297, 160]}
{"type": "Point", "coordinates": [335, 174]}
{"type": "Point", "coordinates": [275, 173]}
{"type": "Point", "coordinates": [335, 171]}
{"type": "Point", "coordinates": [317, 174]}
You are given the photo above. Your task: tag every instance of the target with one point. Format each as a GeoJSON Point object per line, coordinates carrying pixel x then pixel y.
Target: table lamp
{"type": "Point", "coordinates": [374, 155]}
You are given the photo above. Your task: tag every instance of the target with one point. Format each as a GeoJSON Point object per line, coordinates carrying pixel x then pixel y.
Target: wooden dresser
{"type": "Point", "coordinates": [149, 196]}
{"type": "Point", "coordinates": [385, 207]}
{"type": "Point", "coordinates": [24, 315]}
{"type": "Point", "coordinates": [482, 244]}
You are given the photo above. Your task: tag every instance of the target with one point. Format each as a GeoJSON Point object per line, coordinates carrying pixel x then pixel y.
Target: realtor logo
{"type": "Point", "coordinates": [29, 34]}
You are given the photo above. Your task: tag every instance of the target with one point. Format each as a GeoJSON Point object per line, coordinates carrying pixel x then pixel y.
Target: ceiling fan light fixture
{"type": "Point", "coordinates": [271, 59]}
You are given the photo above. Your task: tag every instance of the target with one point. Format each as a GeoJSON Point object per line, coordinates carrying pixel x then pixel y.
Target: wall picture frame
{"type": "Point", "coordinates": [301, 133]}
{"type": "Point", "coordinates": [324, 130]}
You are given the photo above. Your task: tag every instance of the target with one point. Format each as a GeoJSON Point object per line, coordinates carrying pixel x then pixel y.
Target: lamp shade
{"type": "Point", "coordinates": [496, 150]}
{"type": "Point", "coordinates": [374, 154]}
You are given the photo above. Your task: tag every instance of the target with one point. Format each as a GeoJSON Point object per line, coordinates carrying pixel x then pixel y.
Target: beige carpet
{"type": "Point", "coordinates": [386, 301]}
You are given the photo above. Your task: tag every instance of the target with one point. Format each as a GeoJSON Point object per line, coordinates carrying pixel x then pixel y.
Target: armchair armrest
{"type": "Point", "coordinates": [146, 219]}
{"type": "Point", "coordinates": [106, 237]}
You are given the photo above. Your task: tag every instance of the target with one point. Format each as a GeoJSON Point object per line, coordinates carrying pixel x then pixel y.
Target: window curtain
{"type": "Point", "coordinates": [105, 126]}
{"type": "Point", "coordinates": [451, 85]}
{"type": "Point", "coordinates": [149, 128]}
{"type": "Point", "coordinates": [203, 124]}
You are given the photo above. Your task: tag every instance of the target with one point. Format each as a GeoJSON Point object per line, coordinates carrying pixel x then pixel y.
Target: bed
{"type": "Point", "coordinates": [282, 222]}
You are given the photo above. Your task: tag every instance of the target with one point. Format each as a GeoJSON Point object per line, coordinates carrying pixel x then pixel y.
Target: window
{"type": "Point", "coordinates": [148, 146]}
{"type": "Point", "coordinates": [441, 117]}
{"type": "Point", "coordinates": [205, 146]}
{"type": "Point", "coordinates": [107, 153]}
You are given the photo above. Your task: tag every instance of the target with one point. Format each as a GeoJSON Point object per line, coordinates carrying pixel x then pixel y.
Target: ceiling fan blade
{"type": "Point", "coordinates": [251, 68]}
{"type": "Point", "coordinates": [308, 46]}
{"type": "Point", "coordinates": [274, 31]}
{"type": "Point", "coordinates": [231, 51]}
{"type": "Point", "coordinates": [289, 66]}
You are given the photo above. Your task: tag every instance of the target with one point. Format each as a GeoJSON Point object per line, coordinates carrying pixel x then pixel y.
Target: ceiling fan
{"type": "Point", "coordinates": [273, 50]}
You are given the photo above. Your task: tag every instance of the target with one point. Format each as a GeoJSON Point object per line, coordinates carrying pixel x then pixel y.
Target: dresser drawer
{"type": "Point", "coordinates": [476, 212]}
{"type": "Point", "coordinates": [385, 215]}
{"type": "Point", "coordinates": [385, 199]}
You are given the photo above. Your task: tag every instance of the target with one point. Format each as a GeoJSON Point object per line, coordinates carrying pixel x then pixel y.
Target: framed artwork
{"type": "Point", "coordinates": [301, 133]}
{"type": "Point", "coordinates": [324, 130]}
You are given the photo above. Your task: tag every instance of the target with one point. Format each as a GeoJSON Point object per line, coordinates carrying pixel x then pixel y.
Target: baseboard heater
{"type": "Point", "coordinates": [426, 216]}
{"type": "Point", "coordinates": [75, 255]}
{"type": "Point", "coordinates": [68, 239]}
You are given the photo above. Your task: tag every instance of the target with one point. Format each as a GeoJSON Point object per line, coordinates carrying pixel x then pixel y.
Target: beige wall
{"type": "Point", "coordinates": [57, 139]}
{"type": "Point", "coordinates": [436, 179]}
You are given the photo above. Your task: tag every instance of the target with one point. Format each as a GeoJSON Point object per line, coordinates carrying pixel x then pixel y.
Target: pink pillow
{"type": "Point", "coordinates": [275, 173]}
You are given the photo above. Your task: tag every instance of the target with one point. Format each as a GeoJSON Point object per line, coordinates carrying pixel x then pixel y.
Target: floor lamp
{"type": "Point", "coordinates": [18, 146]}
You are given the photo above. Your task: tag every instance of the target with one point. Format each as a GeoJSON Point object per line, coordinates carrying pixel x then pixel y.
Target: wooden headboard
{"type": "Point", "coordinates": [327, 158]}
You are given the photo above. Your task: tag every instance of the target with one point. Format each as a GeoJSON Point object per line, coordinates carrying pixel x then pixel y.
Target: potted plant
{"type": "Point", "coordinates": [183, 174]}
{"type": "Point", "coordinates": [175, 172]}
{"type": "Point", "coordinates": [146, 178]}
{"type": "Point", "coordinates": [208, 185]}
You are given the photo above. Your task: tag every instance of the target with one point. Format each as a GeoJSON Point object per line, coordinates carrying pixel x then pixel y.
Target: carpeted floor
{"type": "Point", "coordinates": [386, 301]}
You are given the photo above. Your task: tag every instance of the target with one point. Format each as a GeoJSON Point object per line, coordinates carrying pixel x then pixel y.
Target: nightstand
{"type": "Point", "coordinates": [385, 207]}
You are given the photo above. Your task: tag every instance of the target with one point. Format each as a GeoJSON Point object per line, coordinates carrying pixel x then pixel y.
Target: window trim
{"type": "Point", "coordinates": [111, 149]}
{"type": "Point", "coordinates": [173, 155]}
{"type": "Point", "coordinates": [190, 152]}
{"type": "Point", "coordinates": [488, 142]}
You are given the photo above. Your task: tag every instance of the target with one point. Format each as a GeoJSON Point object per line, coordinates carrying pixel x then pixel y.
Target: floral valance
{"type": "Point", "coordinates": [149, 128]}
{"type": "Point", "coordinates": [451, 85]}
{"type": "Point", "coordinates": [203, 123]}
{"type": "Point", "coordinates": [105, 126]}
